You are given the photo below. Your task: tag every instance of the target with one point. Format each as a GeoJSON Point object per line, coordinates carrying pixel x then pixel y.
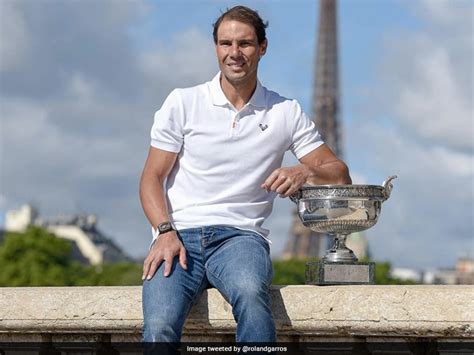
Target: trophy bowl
{"type": "Point", "coordinates": [339, 210]}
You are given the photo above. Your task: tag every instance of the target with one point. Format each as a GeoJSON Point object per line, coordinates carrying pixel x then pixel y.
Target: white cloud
{"type": "Point", "coordinates": [187, 59]}
{"type": "Point", "coordinates": [427, 75]}
{"type": "Point", "coordinates": [77, 142]}
{"type": "Point", "coordinates": [428, 220]}
{"type": "Point", "coordinates": [14, 39]}
{"type": "Point", "coordinates": [422, 130]}
{"type": "Point", "coordinates": [23, 121]}
{"type": "Point", "coordinates": [82, 88]}
{"type": "Point", "coordinates": [431, 102]}
{"type": "Point", "coordinates": [446, 13]}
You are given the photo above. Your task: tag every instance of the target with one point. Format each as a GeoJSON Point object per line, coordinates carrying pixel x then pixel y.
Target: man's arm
{"type": "Point", "coordinates": [319, 167]}
{"type": "Point", "coordinates": [325, 167]}
{"type": "Point", "coordinates": [152, 196]}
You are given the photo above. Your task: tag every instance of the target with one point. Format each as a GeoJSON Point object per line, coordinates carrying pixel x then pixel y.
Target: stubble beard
{"type": "Point", "coordinates": [240, 80]}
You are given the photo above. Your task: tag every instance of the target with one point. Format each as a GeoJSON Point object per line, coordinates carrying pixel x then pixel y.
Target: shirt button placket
{"type": "Point", "coordinates": [235, 124]}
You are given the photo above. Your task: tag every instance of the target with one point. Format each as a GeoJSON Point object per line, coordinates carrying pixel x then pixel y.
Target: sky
{"type": "Point", "coordinates": [81, 80]}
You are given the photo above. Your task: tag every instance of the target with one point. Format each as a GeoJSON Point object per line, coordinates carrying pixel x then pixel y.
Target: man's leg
{"type": "Point", "coordinates": [239, 266]}
{"type": "Point", "coordinates": [168, 300]}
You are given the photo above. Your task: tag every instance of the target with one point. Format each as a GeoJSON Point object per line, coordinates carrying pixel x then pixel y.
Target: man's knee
{"type": "Point", "coordinates": [155, 330]}
{"type": "Point", "coordinates": [250, 290]}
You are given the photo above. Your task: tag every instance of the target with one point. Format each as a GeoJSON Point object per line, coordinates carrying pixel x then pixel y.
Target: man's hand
{"type": "Point", "coordinates": [166, 248]}
{"type": "Point", "coordinates": [286, 181]}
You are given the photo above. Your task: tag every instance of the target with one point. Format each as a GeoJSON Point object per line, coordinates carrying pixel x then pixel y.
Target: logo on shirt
{"type": "Point", "coordinates": [263, 127]}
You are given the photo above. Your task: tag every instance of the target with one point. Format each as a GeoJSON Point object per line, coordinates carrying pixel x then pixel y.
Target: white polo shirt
{"type": "Point", "coordinates": [226, 154]}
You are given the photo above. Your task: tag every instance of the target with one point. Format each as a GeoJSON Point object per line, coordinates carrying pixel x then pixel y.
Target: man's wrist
{"type": "Point", "coordinates": [165, 227]}
{"type": "Point", "coordinates": [162, 228]}
{"type": "Point", "coordinates": [308, 173]}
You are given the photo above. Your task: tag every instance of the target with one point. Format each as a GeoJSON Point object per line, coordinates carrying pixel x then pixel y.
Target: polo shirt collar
{"type": "Point", "coordinates": [258, 97]}
{"type": "Point", "coordinates": [219, 99]}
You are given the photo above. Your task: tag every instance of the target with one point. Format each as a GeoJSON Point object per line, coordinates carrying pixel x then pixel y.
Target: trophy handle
{"type": "Point", "coordinates": [387, 186]}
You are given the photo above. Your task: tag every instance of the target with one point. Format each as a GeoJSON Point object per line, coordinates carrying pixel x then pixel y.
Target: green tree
{"type": "Point", "coordinates": [382, 273]}
{"type": "Point", "coordinates": [35, 258]}
{"type": "Point", "coordinates": [289, 272]}
{"type": "Point", "coordinates": [117, 274]}
{"type": "Point", "coordinates": [39, 258]}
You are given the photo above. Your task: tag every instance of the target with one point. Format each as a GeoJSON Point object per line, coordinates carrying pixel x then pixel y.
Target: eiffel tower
{"type": "Point", "coordinates": [302, 242]}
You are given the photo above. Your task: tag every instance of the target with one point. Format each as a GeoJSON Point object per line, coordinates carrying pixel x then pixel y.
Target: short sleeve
{"type": "Point", "coordinates": [167, 130]}
{"type": "Point", "coordinates": [305, 137]}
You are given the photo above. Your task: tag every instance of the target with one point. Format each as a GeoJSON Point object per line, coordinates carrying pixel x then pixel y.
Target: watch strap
{"type": "Point", "coordinates": [164, 227]}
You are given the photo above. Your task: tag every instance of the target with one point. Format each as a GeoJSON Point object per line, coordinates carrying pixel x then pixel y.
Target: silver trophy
{"type": "Point", "coordinates": [339, 210]}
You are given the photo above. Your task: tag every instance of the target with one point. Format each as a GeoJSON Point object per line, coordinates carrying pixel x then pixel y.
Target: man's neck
{"type": "Point", "coordinates": [238, 94]}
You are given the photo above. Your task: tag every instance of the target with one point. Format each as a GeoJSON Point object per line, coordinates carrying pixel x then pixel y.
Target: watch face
{"type": "Point", "coordinates": [165, 227]}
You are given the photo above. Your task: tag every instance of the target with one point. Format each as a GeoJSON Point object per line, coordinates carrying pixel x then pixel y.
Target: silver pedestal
{"type": "Point", "coordinates": [339, 273]}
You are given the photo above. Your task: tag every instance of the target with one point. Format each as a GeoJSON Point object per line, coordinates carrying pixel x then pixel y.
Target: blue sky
{"type": "Point", "coordinates": [80, 81]}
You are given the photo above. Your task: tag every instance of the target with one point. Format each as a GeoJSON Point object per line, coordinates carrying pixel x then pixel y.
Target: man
{"type": "Point", "coordinates": [213, 170]}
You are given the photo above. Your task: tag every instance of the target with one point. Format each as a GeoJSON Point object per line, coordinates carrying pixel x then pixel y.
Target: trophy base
{"type": "Point", "coordinates": [340, 273]}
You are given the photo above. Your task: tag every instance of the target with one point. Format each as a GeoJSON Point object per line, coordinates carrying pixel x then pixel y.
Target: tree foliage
{"type": "Point", "coordinates": [117, 274]}
{"type": "Point", "coordinates": [289, 272]}
{"type": "Point", "coordinates": [38, 258]}
{"type": "Point", "coordinates": [35, 258]}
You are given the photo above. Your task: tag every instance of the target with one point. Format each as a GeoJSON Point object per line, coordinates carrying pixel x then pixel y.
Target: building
{"type": "Point", "coordinates": [90, 245]}
{"type": "Point", "coordinates": [465, 271]}
{"type": "Point", "coordinates": [461, 274]}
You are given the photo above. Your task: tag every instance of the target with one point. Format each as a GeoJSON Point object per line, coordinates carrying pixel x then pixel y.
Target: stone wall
{"type": "Point", "coordinates": [302, 314]}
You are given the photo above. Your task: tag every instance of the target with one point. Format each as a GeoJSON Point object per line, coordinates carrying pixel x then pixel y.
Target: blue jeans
{"type": "Point", "coordinates": [234, 261]}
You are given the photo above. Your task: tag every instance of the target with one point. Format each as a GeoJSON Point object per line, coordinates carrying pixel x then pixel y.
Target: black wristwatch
{"type": "Point", "coordinates": [165, 227]}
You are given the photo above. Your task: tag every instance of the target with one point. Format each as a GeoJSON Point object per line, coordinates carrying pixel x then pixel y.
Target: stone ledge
{"type": "Point", "coordinates": [300, 311]}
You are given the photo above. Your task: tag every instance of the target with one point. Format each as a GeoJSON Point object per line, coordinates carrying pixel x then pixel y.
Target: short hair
{"type": "Point", "coordinates": [246, 15]}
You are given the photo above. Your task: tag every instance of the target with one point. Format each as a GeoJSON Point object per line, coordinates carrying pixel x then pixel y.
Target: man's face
{"type": "Point", "coordinates": [238, 51]}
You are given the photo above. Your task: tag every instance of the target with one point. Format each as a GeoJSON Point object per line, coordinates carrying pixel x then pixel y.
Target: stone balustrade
{"type": "Point", "coordinates": [302, 313]}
